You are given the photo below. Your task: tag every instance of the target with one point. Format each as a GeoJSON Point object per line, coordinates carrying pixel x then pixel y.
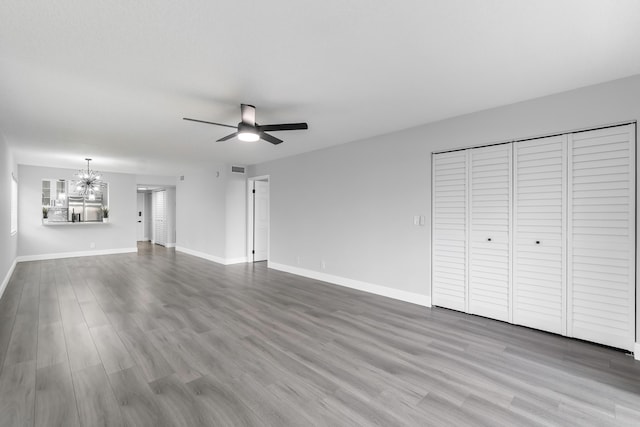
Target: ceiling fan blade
{"type": "Point", "coordinates": [224, 138]}
{"type": "Point", "coordinates": [269, 138]}
{"type": "Point", "coordinates": [209, 123]}
{"type": "Point", "coordinates": [283, 126]}
{"type": "Point", "coordinates": [248, 113]}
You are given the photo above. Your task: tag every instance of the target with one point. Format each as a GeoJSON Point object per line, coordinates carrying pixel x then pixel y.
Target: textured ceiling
{"type": "Point", "coordinates": [112, 79]}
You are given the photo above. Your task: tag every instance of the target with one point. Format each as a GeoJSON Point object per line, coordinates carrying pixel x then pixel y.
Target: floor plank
{"type": "Point", "coordinates": [52, 348]}
{"type": "Point", "coordinates": [163, 338]}
{"type": "Point", "coordinates": [55, 397]}
{"type": "Point", "coordinates": [97, 405]}
{"type": "Point", "coordinates": [17, 394]}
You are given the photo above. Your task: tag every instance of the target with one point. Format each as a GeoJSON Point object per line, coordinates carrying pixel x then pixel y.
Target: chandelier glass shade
{"type": "Point", "coordinates": [88, 182]}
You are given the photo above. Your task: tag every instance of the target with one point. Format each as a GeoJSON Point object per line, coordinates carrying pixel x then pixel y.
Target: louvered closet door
{"type": "Point", "coordinates": [539, 252]}
{"type": "Point", "coordinates": [159, 218]}
{"type": "Point", "coordinates": [449, 248]}
{"type": "Point", "coordinates": [601, 279]}
{"type": "Point", "coordinates": [490, 222]}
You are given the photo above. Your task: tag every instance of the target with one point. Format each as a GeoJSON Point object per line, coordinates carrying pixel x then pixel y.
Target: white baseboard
{"type": "Point", "coordinates": [636, 351]}
{"type": "Point", "coordinates": [217, 259]}
{"type": "Point", "coordinates": [58, 255]}
{"type": "Point", "coordinates": [411, 297]}
{"type": "Point", "coordinates": [6, 279]}
{"type": "Point", "coordinates": [239, 260]}
{"type": "Point", "coordinates": [170, 245]}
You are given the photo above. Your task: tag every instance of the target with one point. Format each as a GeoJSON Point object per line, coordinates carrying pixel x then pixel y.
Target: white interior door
{"type": "Point", "coordinates": [539, 251]}
{"type": "Point", "coordinates": [159, 218]}
{"type": "Point", "coordinates": [601, 227]}
{"type": "Point", "coordinates": [449, 230]}
{"type": "Point", "coordinates": [140, 217]}
{"type": "Point", "coordinates": [260, 220]}
{"type": "Point", "coordinates": [490, 232]}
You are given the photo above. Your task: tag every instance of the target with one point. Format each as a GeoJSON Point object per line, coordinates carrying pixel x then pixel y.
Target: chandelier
{"type": "Point", "coordinates": [88, 182]}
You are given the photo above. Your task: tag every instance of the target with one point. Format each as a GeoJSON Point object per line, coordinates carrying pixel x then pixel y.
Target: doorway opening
{"type": "Point", "coordinates": [156, 215]}
{"type": "Point", "coordinates": [258, 225]}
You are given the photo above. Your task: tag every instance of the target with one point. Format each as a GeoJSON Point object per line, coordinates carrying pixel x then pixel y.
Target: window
{"type": "Point", "coordinates": [14, 205]}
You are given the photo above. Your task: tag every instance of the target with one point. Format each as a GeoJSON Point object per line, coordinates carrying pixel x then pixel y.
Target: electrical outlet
{"type": "Point", "coordinates": [92, 245]}
{"type": "Point", "coordinates": [323, 264]}
{"type": "Point", "coordinates": [298, 260]}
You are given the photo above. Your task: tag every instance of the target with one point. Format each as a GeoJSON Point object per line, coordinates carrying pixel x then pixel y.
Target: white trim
{"type": "Point", "coordinates": [239, 260]}
{"type": "Point", "coordinates": [5, 282]}
{"type": "Point", "coordinates": [250, 196]}
{"type": "Point", "coordinates": [170, 245]}
{"type": "Point", "coordinates": [209, 257]}
{"type": "Point", "coordinates": [411, 297]}
{"type": "Point", "coordinates": [636, 351]}
{"type": "Point", "coordinates": [200, 254]}
{"type": "Point", "coordinates": [250, 184]}
{"type": "Point", "coordinates": [58, 255]}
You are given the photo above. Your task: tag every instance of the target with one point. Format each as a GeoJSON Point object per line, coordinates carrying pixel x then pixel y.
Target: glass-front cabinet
{"type": "Point", "coordinates": [62, 202]}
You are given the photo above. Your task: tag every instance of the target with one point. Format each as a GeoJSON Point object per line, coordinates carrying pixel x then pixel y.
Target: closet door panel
{"type": "Point", "coordinates": [159, 217]}
{"type": "Point", "coordinates": [539, 252]}
{"type": "Point", "coordinates": [601, 226]}
{"type": "Point", "coordinates": [490, 232]}
{"type": "Point", "coordinates": [449, 222]}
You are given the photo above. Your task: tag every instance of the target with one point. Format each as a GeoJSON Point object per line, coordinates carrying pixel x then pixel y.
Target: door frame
{"type": "Point", "coordinates": [250, 217]}
{"type": "Point", "coordinates": [142, 215]}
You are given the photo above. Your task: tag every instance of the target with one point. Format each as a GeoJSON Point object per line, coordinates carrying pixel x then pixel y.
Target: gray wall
{"type": "Point", "coordinates": [162, 180]}
{"type": "Point", "coordinates": [35, 239]}
{"type": "Point", "coordinates": [8, 243]}
{"type": "Point", "coordinates": [200, 211]}
{"type": "Point", "coordinates": [211, 214]}
{"type": "Point", "coordinates": [236, 217]}
{"type": "Point", "coordinates": [171, 216]}
{"type": "Point", "coordinates": [148, 219]}
{"type": "Point", "coordinates": [353, 205]}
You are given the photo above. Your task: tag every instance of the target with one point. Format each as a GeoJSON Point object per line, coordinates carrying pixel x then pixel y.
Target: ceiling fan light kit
{"type": "Point", "coordinates": [247, 133]}
{"type": "Point", "coordinates": [250, 131]}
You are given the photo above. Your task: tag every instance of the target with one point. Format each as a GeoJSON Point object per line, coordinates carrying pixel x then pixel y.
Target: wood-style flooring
{"type": "Point", "coordinates": [161, 338]}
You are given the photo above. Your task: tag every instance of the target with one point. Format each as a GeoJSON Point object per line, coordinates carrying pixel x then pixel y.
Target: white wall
{"type": "Point", "coordinates": [236, 217]}
{"type": "Point", "coordinates": [36, 241]}
{"type": "Point", "coordinates": [170, 206]}
{"type": "Point", "coordinates": [201, 213]}
{"type": "Point", "coordinates": [211, 214]}
{"type": "Point", "coordinates": [148, 218]}
{"type": "Point", "coordinates": [161, 180]}
{"type": "Point", "coordinates": [8, 243]}
{"type": "Point", "coordinates": [353, 205]}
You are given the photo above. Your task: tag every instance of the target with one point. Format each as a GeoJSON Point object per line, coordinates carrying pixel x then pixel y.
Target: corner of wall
{"type": "Point", "coordinates": [6, 279]}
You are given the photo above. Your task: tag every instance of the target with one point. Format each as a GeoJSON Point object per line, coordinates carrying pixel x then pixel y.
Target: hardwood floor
{"type": "Point", "coordinates": [163, 338]}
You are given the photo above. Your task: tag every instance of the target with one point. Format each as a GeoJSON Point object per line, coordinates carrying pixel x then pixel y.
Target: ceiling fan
{"type": "Point", "coordinates": [249, 130]}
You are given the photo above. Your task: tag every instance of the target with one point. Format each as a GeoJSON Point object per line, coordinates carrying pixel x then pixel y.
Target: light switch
{"type": "Point", "coordinates": [422, 219]}
{"type": "Point", "coordinates": [416, 220]}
